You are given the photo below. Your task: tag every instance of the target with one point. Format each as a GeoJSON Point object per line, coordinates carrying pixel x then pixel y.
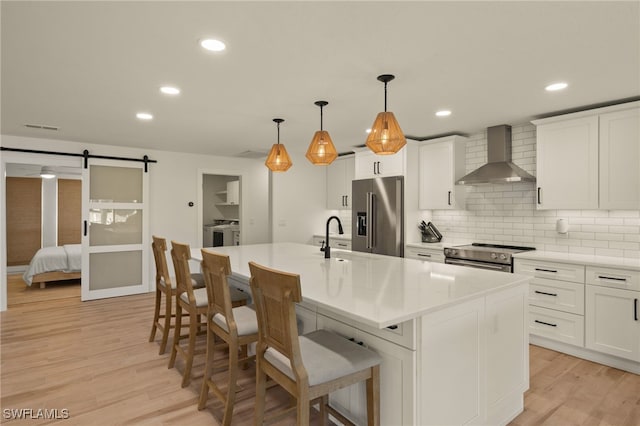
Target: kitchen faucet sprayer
{"type": "Point", "coordinates": [327, 249]}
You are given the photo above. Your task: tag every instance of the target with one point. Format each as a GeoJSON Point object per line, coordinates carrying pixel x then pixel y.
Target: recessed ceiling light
{"type": "Point", "coordinates": [144, 116]}
{"type": "Point", "coordinates": [170, 90]}
{"type": "Point", "coordinates": [213, 45]}
{"type": "Point", "coordinates": [368, 130]}
{"type": "Point", "coordinates": [556, 86]}
{"type": "Point", "coordinates": [443, 113]}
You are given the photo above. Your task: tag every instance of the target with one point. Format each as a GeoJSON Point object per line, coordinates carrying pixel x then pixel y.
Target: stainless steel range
{"type": "Point", "coordinates": [484, 256]}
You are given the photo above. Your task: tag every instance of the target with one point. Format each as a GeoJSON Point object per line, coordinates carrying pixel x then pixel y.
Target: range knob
{"type": "Point", "coordinates": [494, 256]}
{"type": "Point", "coordinates": [503, 256]}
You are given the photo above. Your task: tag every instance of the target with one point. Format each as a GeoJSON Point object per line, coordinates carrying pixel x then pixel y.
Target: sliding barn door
{"type": "Point", "coordinates": [115, 229]}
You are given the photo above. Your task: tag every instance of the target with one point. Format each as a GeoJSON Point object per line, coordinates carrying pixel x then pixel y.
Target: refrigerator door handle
{"type": "Point", "coordinates": [370, 220]}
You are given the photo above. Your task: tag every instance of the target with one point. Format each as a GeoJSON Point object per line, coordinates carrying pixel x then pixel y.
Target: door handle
{"type": "Point", "coordinates": [85, 228]}
{"type": "Point", "coordinates": [346, 201]}
{"type": "Point", "coordinates": [539, 198]}
{"type": "Point", "coordinates": [449, 198]}
{"type": "Point", "coordinates": [635, 309]}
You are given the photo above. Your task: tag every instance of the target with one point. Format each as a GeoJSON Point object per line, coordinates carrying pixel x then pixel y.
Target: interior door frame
{"type": "Point", "coordinates": [10, 157]}
{"type": "Point", "coordinates": [200, 192]}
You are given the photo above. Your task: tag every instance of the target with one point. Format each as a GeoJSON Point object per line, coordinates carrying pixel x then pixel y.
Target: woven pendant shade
{"type": "Point", "coordinates": [278, 159]}
{"type": "Point", "coordinates": [386, 137]}
{"type": "Point", "coordinates": [321, 151]}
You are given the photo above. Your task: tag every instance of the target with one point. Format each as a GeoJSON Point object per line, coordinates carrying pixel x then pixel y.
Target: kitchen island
{"type": "Point", "coordinates": [454, 340]}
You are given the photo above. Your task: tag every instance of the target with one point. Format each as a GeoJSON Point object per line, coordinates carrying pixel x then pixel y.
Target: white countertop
{"type": "Point", "coordinates": [581, 259]}
{"type": "Point", "coordinates": [372, 289]}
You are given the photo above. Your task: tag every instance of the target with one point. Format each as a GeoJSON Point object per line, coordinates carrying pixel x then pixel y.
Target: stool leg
{"type": "Point", "coordinates": [208, 369]}
{"type": "Point", "coordinates": [194, 325]}
{"type": "Point", "coordinates": [231, 387]}
{"type": "Point", "coordinates": [373, 397]}
{"type": "Point", "coordinates": [156, 315]}
{"type": "Point", "coordinates": [176, 335]}
{"type": "Point", "coordinates": [302, 407]}
{"type": "Point", "coordinates": [261, 390]}
{"type": "Point", "coordinates": [167, 322]}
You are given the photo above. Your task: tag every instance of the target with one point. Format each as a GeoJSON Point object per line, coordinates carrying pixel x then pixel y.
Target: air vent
{"type": "Point", "coordinates": [253, 154]}
{"type": "Point", "coordinates": [41, 126]}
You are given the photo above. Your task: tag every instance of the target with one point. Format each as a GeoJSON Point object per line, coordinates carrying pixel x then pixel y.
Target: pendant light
{"type": "Point", "coordinates": [278, 159]}
{"type": "Point", "coordinates": [321, 151]}
{"type": "Point", "coordinates": [386, 137]}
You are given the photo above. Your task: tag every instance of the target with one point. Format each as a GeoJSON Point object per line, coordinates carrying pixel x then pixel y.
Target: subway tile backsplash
{"type": "Point", "coordinates": [506, 213]}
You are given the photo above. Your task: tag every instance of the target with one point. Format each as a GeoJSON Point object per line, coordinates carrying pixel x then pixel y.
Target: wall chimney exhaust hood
{"type": "Point", "coordinates": [499, 168]}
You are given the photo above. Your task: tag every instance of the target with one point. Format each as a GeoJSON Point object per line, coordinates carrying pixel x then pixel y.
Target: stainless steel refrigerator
{"type": "Point", "coordinates": [378, 216]}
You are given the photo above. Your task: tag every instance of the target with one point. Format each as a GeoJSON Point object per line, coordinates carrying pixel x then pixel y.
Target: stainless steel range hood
{"type": "Point", "coordinates": [499, 168]}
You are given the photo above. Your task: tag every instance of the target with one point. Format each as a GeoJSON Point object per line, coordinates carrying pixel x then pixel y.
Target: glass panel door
{"type": "Point", "coordinates": [115, 221]}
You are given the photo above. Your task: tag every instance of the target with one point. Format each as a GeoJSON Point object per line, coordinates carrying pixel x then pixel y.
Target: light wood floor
{"type": "Point", "coordinates": [93, 359]}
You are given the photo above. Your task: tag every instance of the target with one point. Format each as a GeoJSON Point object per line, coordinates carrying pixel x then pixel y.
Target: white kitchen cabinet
{"type": "Point", "coordinates": [613, 312]}
{"type": "Point", "coordinates": [589, 159]}
{"type": "Point", "coordinates": [567, 164]}
{"type": "Point", "coordinates": [424, 254]}
{"type": "Point", "coordinates": [612, 321]}
{"type": "Point", "coordinates": [306, 318]}
{"type": "Point", "coordinates": [620, 160]}
{"type": "Point", "coordinates": [397, 379]}
{"type": "Point", "coordinates": [334, 241]}
{"type": "Point", "coordinates": [370, 165]}
{"type": "Point", "coordinates": [556, 299]}
{"type": "Point", "coordinates": [233, 192]}
{"type": "Point", "coordinates": [340, 173]}
{"type": "Point", "coordinates": [442, 162]}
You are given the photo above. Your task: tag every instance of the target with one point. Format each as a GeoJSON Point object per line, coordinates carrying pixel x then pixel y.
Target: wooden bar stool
{"type": "Point", "coordinates": [166, 286]}
{"type": "Point", "coordinates": [311, 366]}
{"type": "Point", "coordinates": [237, 327]}
{"type": "Point", "coordinates": [193, 301]}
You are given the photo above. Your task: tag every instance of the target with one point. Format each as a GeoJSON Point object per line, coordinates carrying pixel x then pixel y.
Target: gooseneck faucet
{"type": "Point", "coordinates": [327, 249]}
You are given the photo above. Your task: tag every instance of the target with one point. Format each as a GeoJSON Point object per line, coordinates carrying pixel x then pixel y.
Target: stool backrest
{"type": "Point", "coordinates": [181, 254]}
{"type": "Point", "coordinates": [275, 294]}
{"type": "Point", "coordinates": [159, 247]}
{"type": "Point", "coordinates": [215, 268]}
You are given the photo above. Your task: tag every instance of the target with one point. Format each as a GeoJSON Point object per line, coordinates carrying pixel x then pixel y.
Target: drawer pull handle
{"type": "Point", "coordinates": [602, 277]}
{"type": "Point", "coordinates": [546, 323]}
{"type": "Point", "coordinates": [547, 294]}
{"type": "Point", "coordinates": [341, 245]}
{"type": "Point", "coordinates": [395, 327]}
{"type": "Point", "coordinates": [635, 309]}
{"type": "Point", "coordinates": [546, 270]}
{"type": "Point", "coordinates": [423, 255]}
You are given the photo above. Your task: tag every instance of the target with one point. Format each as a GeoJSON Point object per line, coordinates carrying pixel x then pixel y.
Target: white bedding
{"type": "Point", "coordinates": [66, 258]}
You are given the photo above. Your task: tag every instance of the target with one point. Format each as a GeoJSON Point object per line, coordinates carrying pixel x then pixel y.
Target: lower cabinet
{"type": "Point", "coordinates": [613, 321]}
{"type": "Point", "coordinates": [306, 319]}
{"type": "Point", "coordinates": [428, 254]}
{"type": "Point", "coordinates": [397, 379]}
{"type": "Point", "coordinates": [335, 242]}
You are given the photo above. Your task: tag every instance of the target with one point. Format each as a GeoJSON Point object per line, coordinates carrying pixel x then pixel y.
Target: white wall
{"type": "Point", "coordinates": [299, 199]}
{"type": "Point", "coordinates": [173, 184]}
{"type": "Point", "coordinates": [506, 213]}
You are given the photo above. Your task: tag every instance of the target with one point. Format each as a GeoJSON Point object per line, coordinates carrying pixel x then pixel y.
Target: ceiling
{"type": "Point", "coordinates": [89, 67]}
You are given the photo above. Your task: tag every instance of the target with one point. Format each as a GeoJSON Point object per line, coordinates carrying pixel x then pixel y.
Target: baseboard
{"type": "Point", "coordinates": [16, 269]}
{"type": "Point", "coordinates": [588, 354]}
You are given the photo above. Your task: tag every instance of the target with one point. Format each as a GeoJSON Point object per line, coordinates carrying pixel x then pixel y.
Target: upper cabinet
{"type": "Point", "coordinates": [340, 173]}
{"type": "Point", "coordinates": [370, 165]}
{"type": "Point", "coordinates": [231, 195]}
{"type": "Point", "coordinates": [442, 162]}
{"type": "Point", "coordinates": [589, 160]}
{"type": "Point", "coordinates": [620, 160]}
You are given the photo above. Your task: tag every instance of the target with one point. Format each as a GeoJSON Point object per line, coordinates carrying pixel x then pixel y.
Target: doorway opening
{"type": "Point", "coordinates": [43, 216]}
{"type": "Point", "coordinates": [221, 209]}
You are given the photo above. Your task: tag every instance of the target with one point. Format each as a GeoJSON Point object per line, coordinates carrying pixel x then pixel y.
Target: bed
{"type": "Point", "coordinates": [54, 264]}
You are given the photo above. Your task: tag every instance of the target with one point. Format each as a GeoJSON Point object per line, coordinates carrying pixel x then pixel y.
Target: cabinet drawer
{"type": "Point", "coordinates": [403, 334]}
{"type": "Point", "coordinates": [340, 244]}
{"type": "Point", "coordinates": [561, 326]}
{"type": "Point", "coordinates": [613, 277]}
{"type": "Point", "coordinates": [432, 255]}
{"type": "Point", "coordinates": [551, 270]}
{"type": "Point", "coordinates": [560, 295]}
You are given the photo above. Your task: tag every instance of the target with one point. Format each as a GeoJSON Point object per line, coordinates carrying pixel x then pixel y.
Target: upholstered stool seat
{"type": "Point", "coordinates": [326, 356]}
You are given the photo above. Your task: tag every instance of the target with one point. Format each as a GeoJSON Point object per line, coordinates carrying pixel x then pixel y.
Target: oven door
{"type": "Point", "coordinates": [479, 265]}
